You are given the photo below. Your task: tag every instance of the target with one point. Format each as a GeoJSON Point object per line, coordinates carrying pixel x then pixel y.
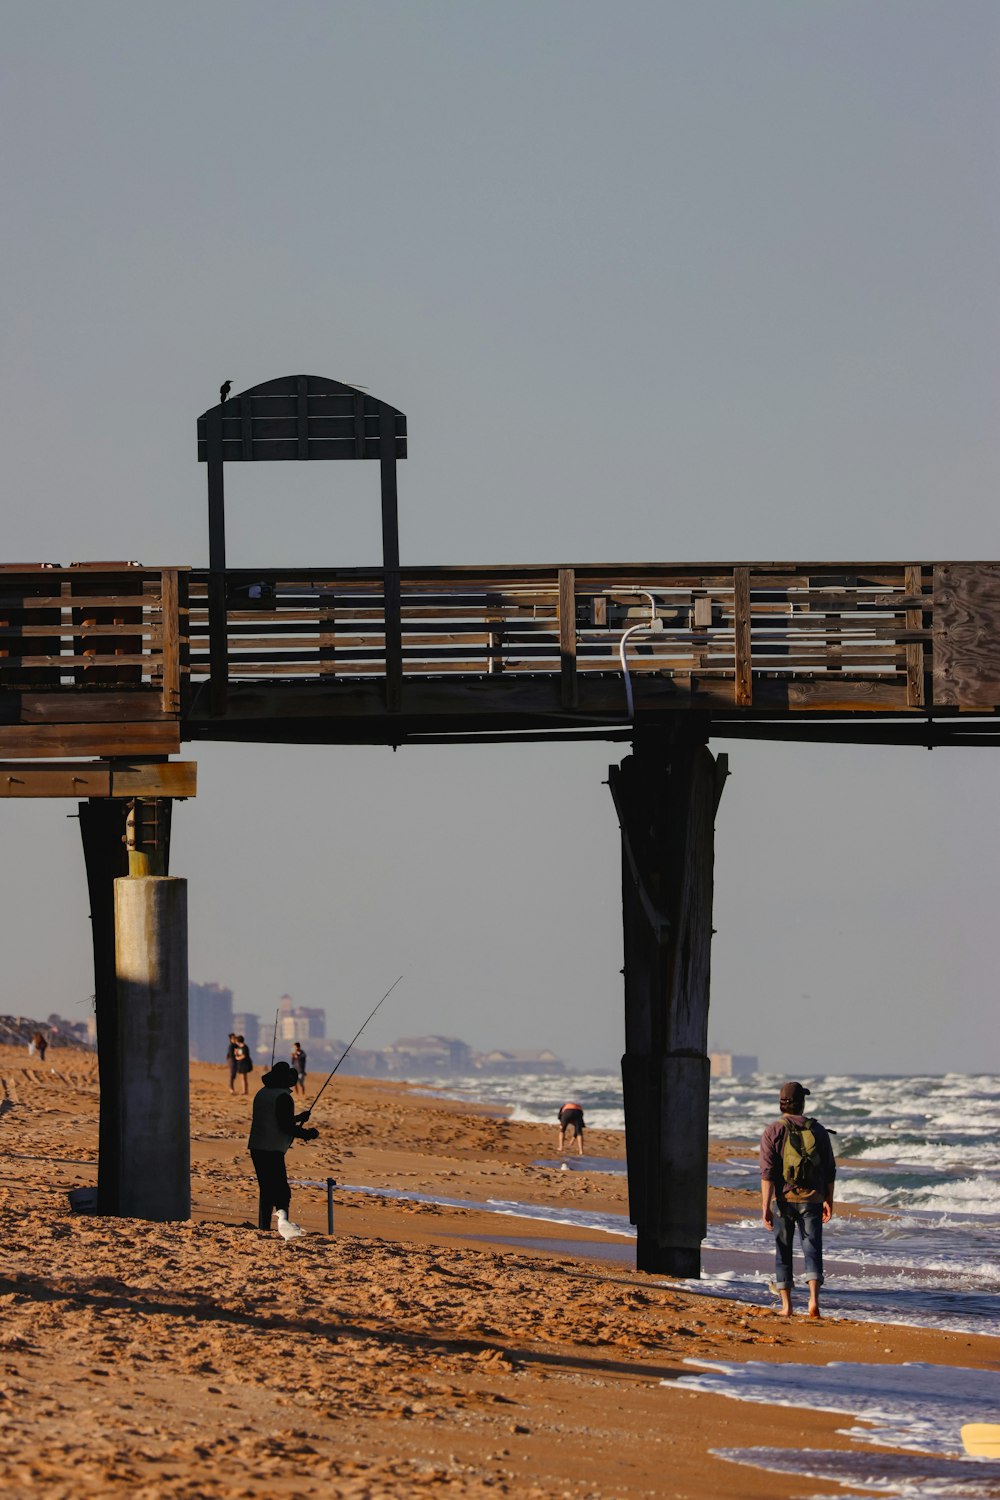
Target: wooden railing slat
{"type": "Point", "coordinates": [742, 645]}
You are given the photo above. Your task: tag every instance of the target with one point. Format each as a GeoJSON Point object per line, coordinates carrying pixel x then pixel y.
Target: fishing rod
{"type": "Point", "coordinates": [274, 1039]}
{"type": "Point", "coordinates": [352, 1041]}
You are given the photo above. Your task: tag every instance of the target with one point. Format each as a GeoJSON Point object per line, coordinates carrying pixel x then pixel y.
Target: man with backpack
{"type": "Point", "coordinates": [797, 1173]}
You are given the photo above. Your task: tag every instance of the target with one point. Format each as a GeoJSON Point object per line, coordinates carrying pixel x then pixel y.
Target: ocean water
{"type": "Point", "coordinates": [923, 1152]}
{"type": "Point", "coordinates": [921, 1143]}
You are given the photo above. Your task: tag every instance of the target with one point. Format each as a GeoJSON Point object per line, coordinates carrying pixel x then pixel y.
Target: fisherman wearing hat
{"type": "Point", "coordinates": [273, 1128]}
{"type": "Point", "coordinates": [797, 1172]}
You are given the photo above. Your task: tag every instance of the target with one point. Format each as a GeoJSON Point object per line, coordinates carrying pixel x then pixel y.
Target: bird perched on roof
{"type": "Point", "coordinates": [224, 389]}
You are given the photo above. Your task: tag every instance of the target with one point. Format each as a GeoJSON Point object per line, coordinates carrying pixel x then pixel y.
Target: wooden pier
{"type": "Point", "coordinates": [108, 669]}
{"type": "Point", "coordinates": [116, 661]}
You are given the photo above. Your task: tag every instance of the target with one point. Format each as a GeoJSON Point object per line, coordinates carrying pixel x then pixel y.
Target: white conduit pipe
{"type": "Point", "coordinates": [654, 624]}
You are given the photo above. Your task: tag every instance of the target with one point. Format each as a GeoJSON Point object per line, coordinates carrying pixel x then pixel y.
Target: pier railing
{"type": "Point", "coordinates": [860, 634]}
{"type": "Point", "coordinates": [123, 644]}
{"type": "Point", "coordinates": [110, 638]}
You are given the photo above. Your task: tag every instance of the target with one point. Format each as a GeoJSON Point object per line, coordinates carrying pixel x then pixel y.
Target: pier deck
{"type": "Point", "coordinates": [115, 661]}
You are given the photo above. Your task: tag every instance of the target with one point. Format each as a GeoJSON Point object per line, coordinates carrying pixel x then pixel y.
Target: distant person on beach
{"type": "Point", "coordinates": [571, 1118]}
{"type": "Point", "coordinates": [231, 1061]}
{"type": "Point", "coordinates": [244, 1062]}
{"type": "Point", "coordinates": [40, 1045]}
{"type": "Point", "coordinates": [299, 1064]}
{"type": "Point", "coordinates": [273, 1127]}
{"type": "Point", "coordinates": [797, 1173]}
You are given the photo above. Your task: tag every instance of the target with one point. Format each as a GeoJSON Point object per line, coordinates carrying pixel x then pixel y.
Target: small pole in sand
{"type": "Point", "coordinates": [330, 1185]}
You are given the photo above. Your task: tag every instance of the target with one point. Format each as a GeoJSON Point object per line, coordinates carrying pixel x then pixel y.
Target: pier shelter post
{"type": "Point", "coordinates": [666, 794]}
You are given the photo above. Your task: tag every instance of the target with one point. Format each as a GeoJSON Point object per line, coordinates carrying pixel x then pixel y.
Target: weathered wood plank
{"type": "Point", "coordinates": [106, 779]}
{"type": "Point", "coordinates": [845, 696]}
{"type": "Point", "coordinates": [170, 681]}
{"type": "Point", "coordinates": [567, 638]}
{"type": "Point", "coordinates": [742, 647]}
{"type": "Point", "coordinates": [103, 662]}
{"type": "Point", "coordinates": [41, 741]}
{"type": "Point", "coordinates": [173, 778]}
{"type": "Point", "coordinates": [74, 780]}
{"type": "Point", "coordinates": [59, 628]}
{"type": "Point", "coordinates": [913, 577]}
{"type": "Point", "coordinates": [97, 707]}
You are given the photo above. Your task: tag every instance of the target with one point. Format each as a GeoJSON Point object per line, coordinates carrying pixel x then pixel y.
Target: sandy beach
{"type": "Point", "coordinates": [422, 1347]}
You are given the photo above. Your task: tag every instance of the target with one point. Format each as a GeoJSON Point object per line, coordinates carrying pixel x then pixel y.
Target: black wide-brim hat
{"type": "Point", "coordinates": [281, 1076]}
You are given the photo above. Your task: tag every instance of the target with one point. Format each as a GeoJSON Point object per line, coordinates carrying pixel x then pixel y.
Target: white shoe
{"type": "Point", "coordinates": [286, 1228]}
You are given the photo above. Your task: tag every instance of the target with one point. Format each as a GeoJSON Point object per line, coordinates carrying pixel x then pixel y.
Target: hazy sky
{"type": "Point", "coordinates": [652, 282]}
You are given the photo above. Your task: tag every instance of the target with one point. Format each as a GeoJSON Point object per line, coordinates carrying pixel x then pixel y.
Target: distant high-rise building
{"type": "Point", "coordinates": [731, 1064]}
{"type": "Point", "coordinates": [428, 1054]}
{"type": "Point", "coordinates": [249, 1028]}
{"type": "Point", "coordinates": [299, 1023]}
{"type": "Point", "coordinates": [210, 1020]}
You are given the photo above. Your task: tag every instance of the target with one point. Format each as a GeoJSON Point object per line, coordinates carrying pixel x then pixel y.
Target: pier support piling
{"type": "Point", "coordinates": [102, 828]}
{"type": "Point", "coordinates": [139, 931]}
{"type": "Point", "coordinates": [152, 966]}
{"type": "Point", "coordinates": [666, 794]}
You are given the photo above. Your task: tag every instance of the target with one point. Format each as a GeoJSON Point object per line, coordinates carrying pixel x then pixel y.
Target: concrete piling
{"type": "Point", "coordinates": [151, 958]}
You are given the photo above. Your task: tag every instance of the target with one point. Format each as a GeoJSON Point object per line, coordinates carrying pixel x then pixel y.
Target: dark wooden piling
{"type": "Point", "coordinates": [666, 794]}
{"type": "Point", "coordinates": [102, 827]}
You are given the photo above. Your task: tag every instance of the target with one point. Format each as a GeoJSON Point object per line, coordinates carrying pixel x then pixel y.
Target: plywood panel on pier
{"type": "Point", "coordinates": [967, 635]}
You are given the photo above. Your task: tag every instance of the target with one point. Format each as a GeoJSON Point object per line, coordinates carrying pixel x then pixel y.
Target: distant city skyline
{"type": "Point", "coordinates": [212, 1017]}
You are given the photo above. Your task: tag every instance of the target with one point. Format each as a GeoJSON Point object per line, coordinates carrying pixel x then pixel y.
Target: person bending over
{"type": "Point", "coordinates": [571, 1119]}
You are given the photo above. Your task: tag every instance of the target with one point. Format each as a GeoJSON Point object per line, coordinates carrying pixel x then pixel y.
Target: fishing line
{"type": "Point", "coordinates": [352, 1041]}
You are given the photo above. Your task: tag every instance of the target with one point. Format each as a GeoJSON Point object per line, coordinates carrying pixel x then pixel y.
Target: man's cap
{"type": "Point", "coordinates": [792, 1093]}
{"type": "Point", "coordinates": [281, 1076]}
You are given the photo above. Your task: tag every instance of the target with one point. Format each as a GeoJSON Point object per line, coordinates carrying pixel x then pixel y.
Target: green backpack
{"type": "Point", "coordinates": [801, 1164]}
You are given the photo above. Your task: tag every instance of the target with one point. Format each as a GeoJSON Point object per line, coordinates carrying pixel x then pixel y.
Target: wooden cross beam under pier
{"type": "Point", "coordinates": [114, 778]}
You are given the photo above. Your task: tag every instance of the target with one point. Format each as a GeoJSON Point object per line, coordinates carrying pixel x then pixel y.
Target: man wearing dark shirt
{"type": "Point", "coordinates": [784, 1208]}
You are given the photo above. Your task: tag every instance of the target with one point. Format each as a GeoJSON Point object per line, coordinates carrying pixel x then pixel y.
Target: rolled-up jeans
{"type": "Point", "coordinates": [809, 1219]}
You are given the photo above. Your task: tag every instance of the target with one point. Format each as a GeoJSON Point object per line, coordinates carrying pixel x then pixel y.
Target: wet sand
{"type": "Point", "coordinates": [422, 1348]}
